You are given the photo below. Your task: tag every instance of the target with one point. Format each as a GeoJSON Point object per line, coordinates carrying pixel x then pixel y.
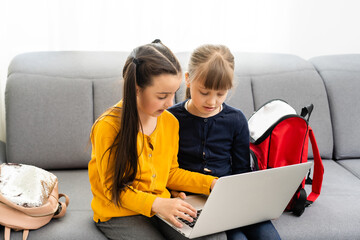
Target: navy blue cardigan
{"type": "Point", "coordinates": [218, 145]}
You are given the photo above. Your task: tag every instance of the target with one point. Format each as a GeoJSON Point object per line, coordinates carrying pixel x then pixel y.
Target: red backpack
{"type": "Point", "coordinates": [280, 137]}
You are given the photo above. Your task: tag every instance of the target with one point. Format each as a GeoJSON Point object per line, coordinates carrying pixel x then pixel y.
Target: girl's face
{"type": "Point", "coordinates": [154, 99]}
{"type": "Point", "coordinates": [204, 102]}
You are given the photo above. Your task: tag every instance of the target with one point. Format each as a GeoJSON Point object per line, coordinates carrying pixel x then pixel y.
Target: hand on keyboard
{"type": "Point", "coordinates": [191, 224]}
{"type": "Point", "coordinates": [174, 208]}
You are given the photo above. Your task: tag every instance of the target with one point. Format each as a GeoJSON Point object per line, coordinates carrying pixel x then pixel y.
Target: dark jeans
{"type": "Point", "coordinates": [258, 231]}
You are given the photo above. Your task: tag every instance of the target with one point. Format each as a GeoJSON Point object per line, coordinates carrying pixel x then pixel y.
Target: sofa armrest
{"type": "Point", "coordinates": [2, 152]}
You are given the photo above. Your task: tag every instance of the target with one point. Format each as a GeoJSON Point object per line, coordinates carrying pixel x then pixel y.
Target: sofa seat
{"type": "Point", "coordinates": [334, 215]}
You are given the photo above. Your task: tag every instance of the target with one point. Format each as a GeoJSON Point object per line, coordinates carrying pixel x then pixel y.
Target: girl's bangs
{"type": "Point", "coordinates": [216, 77]}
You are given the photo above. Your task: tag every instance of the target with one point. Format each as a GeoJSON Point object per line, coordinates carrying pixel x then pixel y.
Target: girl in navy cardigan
{"type": "Point", "coordinates": [214, 137]}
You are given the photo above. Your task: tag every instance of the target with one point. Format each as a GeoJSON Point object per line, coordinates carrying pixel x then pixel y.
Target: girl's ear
{"type": "Point", "coordinates": [187, 79]}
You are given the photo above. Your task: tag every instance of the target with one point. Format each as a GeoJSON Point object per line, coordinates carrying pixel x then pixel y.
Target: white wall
{"type": "Point", "coordinates": [303, 27]}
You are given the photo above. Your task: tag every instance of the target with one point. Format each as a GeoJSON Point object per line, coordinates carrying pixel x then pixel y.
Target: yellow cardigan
{"type": "Point", "coordinates": [158, 168]}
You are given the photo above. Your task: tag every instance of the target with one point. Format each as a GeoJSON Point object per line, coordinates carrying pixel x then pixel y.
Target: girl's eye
{"type": "Point", "coordinates": [203, 93]}
{"type": "Point", "coordinates": [162, 98]}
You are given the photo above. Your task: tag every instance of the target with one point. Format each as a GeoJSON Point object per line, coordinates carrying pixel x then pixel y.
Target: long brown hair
{"type": "Point", "coordinates": [213, 65]}
{"type": "Point", "coordinates": [142, 64]}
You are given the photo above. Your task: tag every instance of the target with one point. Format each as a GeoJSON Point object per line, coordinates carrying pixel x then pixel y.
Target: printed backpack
{"type": "Point", "coordinates": [28, 198]}
{"type": "Point", "coordinates": [280, 137]}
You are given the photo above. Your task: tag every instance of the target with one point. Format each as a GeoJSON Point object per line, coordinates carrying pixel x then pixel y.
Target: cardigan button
{"type": "Point", "coordinates": [205, 120]}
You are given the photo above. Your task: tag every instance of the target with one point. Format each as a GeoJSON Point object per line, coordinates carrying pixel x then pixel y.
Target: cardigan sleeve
{"type": "Point", "coordinates": [102, 138]}
{"type": "Point", "coordinates": [138, 201]}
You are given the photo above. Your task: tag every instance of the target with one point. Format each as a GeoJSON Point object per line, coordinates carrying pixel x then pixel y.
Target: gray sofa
{"type": "Point", "coordinates": [53, 98]}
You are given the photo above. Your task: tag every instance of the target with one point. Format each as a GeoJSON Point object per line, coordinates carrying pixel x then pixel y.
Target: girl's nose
{"type": "Point", "coordinates": [211, 101]}
{"type": "Point", "coordinates": [169, 102]}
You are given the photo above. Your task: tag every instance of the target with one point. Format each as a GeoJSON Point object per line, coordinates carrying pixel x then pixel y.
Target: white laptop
{"type": "Point", "coordinates": [244, 199]}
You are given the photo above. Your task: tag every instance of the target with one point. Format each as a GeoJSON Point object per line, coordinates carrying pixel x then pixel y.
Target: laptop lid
{"type": "Point", "coordinates": [244, 199]}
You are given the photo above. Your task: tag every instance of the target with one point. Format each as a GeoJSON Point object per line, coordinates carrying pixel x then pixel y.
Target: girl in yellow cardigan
{"type": "Point", "coordinates": [134, 154]}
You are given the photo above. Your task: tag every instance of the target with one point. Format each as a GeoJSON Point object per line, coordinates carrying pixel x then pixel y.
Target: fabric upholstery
{"type": "Point", "coordinates": [183, 58]}
{"type": "Point", "coordinates": [90, 65]}
{"type": "Point", "coordinates": [48, 120]}
{"type": "Point", "coordinates": [333, 215]}
{"type": "Point", "coordinates": [352, 165]}
{"type": "Point", "coordinates": [107, 92]}
{"type": "Point", "coordinates": [341, 77]}
{"type": "Point", "coordinates": [57, 96]}
{"type": "Point", "coordinates": [2, 152]}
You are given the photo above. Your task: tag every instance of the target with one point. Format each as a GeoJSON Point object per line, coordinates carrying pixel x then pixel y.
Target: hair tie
{"type": "Point", "coordinates": [136, 61]}
{"type": "Point", "coordinates": [156, 41]}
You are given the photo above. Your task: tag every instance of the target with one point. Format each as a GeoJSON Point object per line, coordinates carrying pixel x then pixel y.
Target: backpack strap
{"type": "Point", "coordinates": [318, 170]}
{"type": "Point", "coordinates": [25, 234]}
{"type": "Point", "coordinates": [7, 233]}
{"type": "Point", "coordinates": [60, 212]}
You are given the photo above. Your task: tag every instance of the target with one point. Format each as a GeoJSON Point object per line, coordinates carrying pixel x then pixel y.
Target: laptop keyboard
{"type": "Point", "coordinates": [191, 224]}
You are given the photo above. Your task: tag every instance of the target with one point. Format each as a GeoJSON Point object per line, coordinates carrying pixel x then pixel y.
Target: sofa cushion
{"type": "Point", "coordinates": [342, 80]}
{"type": "Point", "coordinates": [288, 77]}
{"type": "Point", "coordinates": [80, 193]}
{"type": "Point", "coordinates": [88, 65]}
{"type": "Point", "coordinates": [48, 120]}
{"type": "Point", "coordinates": [241, 95]}
{"type": "Point", "coordinates": [183, 58]}
{"type": "Point", "coordinates": [107, 92]}
{"type": "Point", "coordinates": [52, 99]}
{"type": "Point", "coordinates": [334, 215]}
{"type": "Point", "coordinates": [2, 152]}
{"type": "Point", "coordinates": [108, 87]}
{"type": "Point", "coordinates": [352, 165]}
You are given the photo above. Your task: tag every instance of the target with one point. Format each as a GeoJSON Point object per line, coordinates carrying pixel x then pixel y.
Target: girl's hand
{"type": "Point", "coordinates": [176, 194]}
{"type": "Point", "coordinates": [170, 208]}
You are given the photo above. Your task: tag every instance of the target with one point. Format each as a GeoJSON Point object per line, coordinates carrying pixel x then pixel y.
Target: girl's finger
{"type": "Point", "coordinates": [182, 195]}
{"type": "Point", "coordinates": [187, 208]}
{"type": "Point", "coordinates": [176, 222]}
{"type": "Point", "coordinates": [185, 217]}
{"type": "Point", "coordinates": [187, 211]}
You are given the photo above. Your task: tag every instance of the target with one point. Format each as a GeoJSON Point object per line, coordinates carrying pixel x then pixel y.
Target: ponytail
{"type": "Point", "coordinates": [126, 145]}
